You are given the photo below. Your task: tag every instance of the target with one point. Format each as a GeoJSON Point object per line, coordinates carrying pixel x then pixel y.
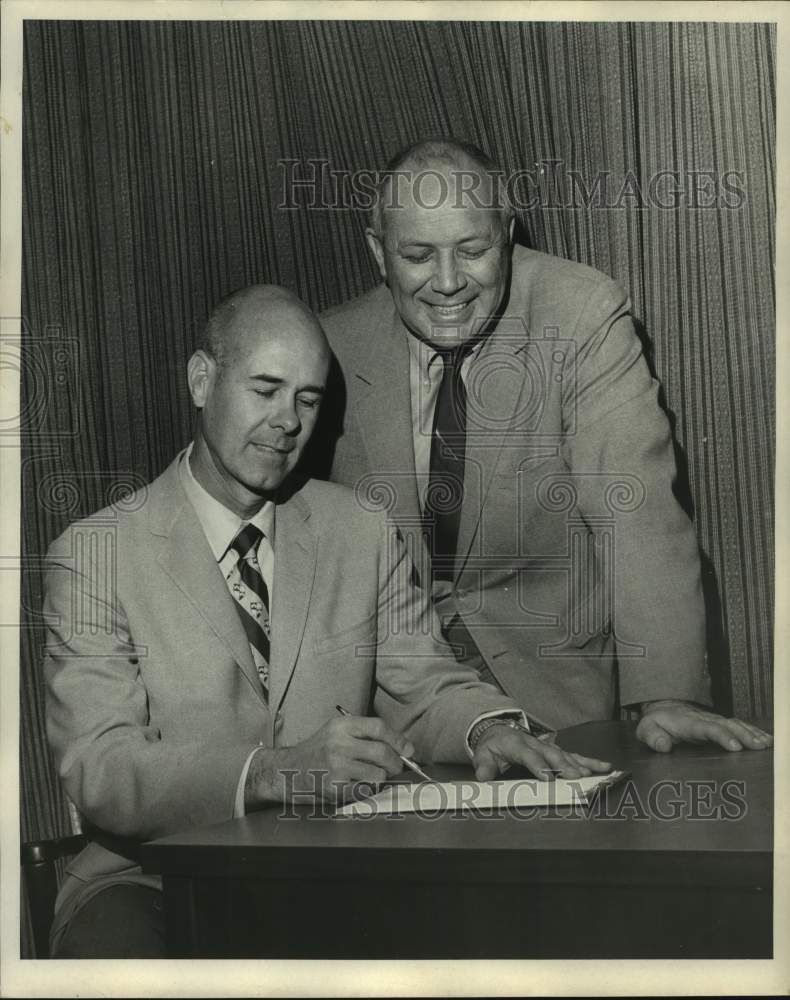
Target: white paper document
{"type": "Point", "coordinates": [446, 796]}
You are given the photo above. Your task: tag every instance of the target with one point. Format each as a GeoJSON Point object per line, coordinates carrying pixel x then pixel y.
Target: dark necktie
{"type": "Point", "coordinates": [252, 599]}
{"type": "Point", "coordinates": [445, 494]}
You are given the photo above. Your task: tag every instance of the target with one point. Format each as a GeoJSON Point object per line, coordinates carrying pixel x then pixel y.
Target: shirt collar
{"type": "Point", "coordinates": [220, 525]}
{"type": "Point", "coordinates": [426, 357]}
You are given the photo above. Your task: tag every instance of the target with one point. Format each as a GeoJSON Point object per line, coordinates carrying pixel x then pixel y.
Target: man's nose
{"type": "Point", "coordinates": [447, 277]}
{"type": "Point", "coordinates": [286, 418]}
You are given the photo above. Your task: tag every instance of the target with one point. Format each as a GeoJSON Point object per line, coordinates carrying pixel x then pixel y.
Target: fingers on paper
{"type": "Point", "coordinates": [544, 760]}
{"type": "Point", "coordinates": [487, 765]}
{"type": "Point", "coordinates": [573, 765]}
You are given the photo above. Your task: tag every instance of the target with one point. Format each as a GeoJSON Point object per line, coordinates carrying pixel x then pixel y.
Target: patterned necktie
{"type": "Point", "coordinates": [252, 599]}
{"type": "Point", "coordinates": [445, 494]}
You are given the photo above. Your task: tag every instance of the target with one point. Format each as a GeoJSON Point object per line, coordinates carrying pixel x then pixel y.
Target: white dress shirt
{"type": "Point", "coordinates": [220, 526]}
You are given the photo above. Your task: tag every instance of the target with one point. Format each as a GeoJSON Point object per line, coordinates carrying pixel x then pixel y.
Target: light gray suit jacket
{"type": "Point", "coordinates": [153, 700]}
{"type": "Point", "coordinates": [578, 567]}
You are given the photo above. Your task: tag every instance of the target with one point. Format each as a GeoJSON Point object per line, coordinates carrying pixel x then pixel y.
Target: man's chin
{"type": "Point", "coordinates": [263, 485]}
{"type": "Point", "coordinates": [448, 336]}
{"type": "Point", "coordinates": [271, 483]}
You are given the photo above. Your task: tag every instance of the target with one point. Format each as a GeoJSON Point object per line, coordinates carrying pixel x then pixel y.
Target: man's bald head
{"type": "Point", "coordinates": [258, 380]}
{"type": "Point", "coordinates": [474, 178]}
{"type": "Point", "coordinates": [259, 312]}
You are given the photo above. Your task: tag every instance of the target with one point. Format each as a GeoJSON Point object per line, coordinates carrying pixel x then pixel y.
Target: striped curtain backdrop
{"type": "Point", "coordinates": [155, 164]}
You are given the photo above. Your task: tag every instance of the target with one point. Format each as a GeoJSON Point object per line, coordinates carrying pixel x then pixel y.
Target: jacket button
{"type": "Point", "coordinates": [278, 721]}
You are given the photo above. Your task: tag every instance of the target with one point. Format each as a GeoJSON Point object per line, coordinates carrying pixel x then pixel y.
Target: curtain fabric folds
{"type": "Point", "coordinates": [157, 158]}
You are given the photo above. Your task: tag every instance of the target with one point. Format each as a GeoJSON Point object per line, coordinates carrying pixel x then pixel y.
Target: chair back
{"type": "Point", "coordinates": [41, 882]}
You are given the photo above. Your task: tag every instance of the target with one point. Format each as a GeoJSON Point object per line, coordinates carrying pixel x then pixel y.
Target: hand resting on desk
{"type": "Point", "coordinates": [501, 746]}
{"type": "Point", "coordinates": [665, 723]}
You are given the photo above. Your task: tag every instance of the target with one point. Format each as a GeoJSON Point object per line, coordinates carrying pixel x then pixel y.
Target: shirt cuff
{"type": "Point", "coordinates": [238, 807]}
{"type": "Point", "coordinates": [504, 713]}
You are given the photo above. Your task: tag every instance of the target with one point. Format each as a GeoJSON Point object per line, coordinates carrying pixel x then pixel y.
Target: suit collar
{"type": "Point", "coordinates": [295, 560]}
{"type": "Point", "coordinates": [220, 524]}
{"type": "Point", "coordinates": [383, 408]}
{"type": "Point", "coordinates": [497, 392]}
{"type": "Point", "coordinates": [187, 558]}
{"type": "Point", "coordinates": [165, 499]}
{"type": "Point", "coordinates": [377, 339]}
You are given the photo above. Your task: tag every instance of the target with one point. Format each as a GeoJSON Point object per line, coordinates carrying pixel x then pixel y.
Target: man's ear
{"type": "Point", "coordinates": [201, 369]}
{"type": "Point", "coordinates": [377, 249]}
{"type": "Point", "coordinates": [511, 229]}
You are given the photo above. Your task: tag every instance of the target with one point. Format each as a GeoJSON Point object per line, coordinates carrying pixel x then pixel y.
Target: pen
{"type": "Point", "coordinates": [409, 763]}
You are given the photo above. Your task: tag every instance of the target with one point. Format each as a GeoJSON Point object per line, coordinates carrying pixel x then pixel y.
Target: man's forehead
{"type": "Point", "coordinates": [450, 222]}
{"type": "Point", "coordinates": [435, 184]}
{"type": "Point", "coordinates": [422, 198]}
{"type": "Point", "coordinates": [275, 336]}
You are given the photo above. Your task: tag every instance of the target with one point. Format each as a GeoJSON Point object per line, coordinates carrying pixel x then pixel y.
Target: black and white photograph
{"type": "Point", "coordinates": [390, 479]}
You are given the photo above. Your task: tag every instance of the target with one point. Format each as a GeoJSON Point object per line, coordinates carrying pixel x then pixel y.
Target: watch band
{"type": "Point", "coordinates": [537, 730]}
{"type": "Point", "coordinates": [485, 724]}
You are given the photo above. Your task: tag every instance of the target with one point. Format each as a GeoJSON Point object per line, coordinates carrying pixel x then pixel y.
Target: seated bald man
{"type": "Point", "coordinates": [233, 608]}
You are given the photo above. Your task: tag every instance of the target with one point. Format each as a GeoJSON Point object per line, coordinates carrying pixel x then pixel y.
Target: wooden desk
{"type": "Point", "coordinates": [617, 881]}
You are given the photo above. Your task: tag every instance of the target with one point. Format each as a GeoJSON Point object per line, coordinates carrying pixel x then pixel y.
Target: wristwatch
{"type": "Point", "coordinates": [535, 729]}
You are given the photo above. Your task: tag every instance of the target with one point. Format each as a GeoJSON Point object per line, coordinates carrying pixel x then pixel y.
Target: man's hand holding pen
{"type": "Point", "coordinates": [345, 751]}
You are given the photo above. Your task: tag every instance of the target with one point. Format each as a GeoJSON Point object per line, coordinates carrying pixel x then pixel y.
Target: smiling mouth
{"type": "Point", "coordinates": [449, 311]}
{"type": "Point", "coordinates": [271, 448]}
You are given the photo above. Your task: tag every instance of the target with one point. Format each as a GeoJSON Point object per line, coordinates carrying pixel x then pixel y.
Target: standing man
{"type": "Point", "coordinates": [498, 404]}
{"type": "Point", "coordinates": [203, 630]}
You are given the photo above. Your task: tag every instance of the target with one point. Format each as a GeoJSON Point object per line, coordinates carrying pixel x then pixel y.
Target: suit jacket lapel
{"type": "Point", "coordinates": [294, 573]}
{"type": "Point", "coordinates": [497, 392]}
{"type": "Point", "coordinates": [382, 405]}
{"type": "Point", "coordinates": [383, 409]}
{"type": "Point", "coordinates": [190, 563]}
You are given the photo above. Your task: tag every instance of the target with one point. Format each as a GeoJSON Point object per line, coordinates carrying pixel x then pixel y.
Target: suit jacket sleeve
{"type": "Point", "coordinates": [421, 689]}
{"type": "Point", "coordinates": [115, 766]}
{"type": "Point", "coordinates": [618, 442]}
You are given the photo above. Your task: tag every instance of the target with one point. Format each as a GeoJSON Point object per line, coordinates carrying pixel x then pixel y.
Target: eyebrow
{"type": "Point", "coordinates": [403, 244]}
{"type": "Point", "coordinates": [274, 380]}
